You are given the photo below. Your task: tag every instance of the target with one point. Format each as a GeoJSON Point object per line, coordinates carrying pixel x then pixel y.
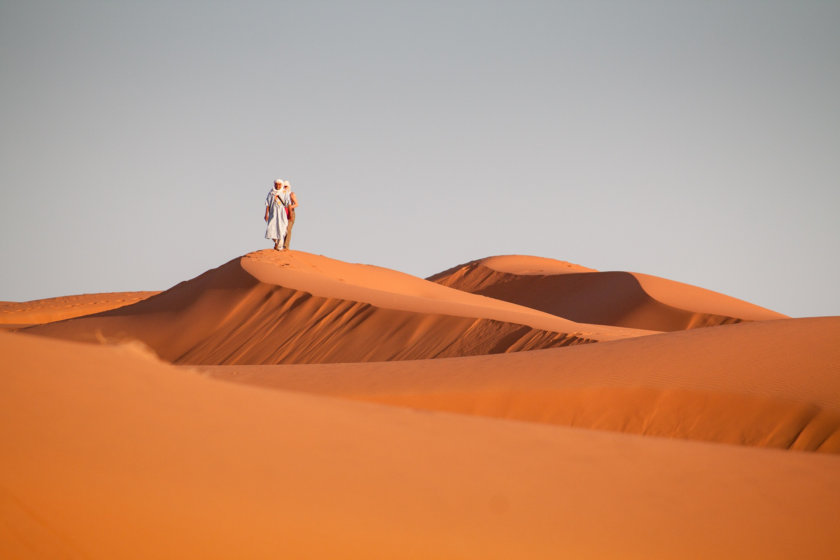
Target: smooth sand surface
{"type": "Point", "coordinates": [25, 313]}
{"type": "Point", "coordinates": [774, 383]}
{"type": "Point", "coordinates": [291, 307]}
{"type": "Point", "coordinates": [624, 299]}
{"type": "Point", "coordinates": [109, 453]}
{"type": "Point", "coordinates": [378, 415]}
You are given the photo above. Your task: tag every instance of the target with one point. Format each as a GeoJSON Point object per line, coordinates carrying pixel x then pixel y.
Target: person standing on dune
{"type": "Point", "coordinates": [275, 214]}
{"type": "Point", "coordinates": [290, 213]}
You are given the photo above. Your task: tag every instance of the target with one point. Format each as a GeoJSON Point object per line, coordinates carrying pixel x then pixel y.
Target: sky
{"type": "Point", "coordinates": [698, 141]}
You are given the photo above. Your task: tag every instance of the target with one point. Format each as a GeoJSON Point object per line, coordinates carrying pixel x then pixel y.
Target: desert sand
{"type": "Point", "coordinates": [270, 308]}
{"type": "Point", "coordinates": [15, 315]}
{"type": "Point", "coordinates": [729, 384]}
{"type": "Point", "coordinates": [608, 298]}
{"type": "Point", "coordinates": [291, 405]}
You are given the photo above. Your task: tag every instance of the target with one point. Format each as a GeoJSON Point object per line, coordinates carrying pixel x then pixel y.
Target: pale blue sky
{"type": "Point", "coordinates": [698, 141]}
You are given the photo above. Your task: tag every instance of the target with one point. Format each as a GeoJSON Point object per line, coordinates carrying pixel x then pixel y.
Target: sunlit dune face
{"type": "Point", "coordinates": [483, 414]}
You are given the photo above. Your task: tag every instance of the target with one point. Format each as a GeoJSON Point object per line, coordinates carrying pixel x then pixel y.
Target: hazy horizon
{"type": "Point", "coordinates": [697, 141]}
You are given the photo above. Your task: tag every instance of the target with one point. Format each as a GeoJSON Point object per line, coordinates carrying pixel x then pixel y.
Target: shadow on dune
{"type": "Point", "coordinates": [226, 316]}
{"type": "Point", "coordinates": [603, 298]}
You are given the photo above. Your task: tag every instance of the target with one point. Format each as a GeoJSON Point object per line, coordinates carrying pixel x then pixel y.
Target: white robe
{"type": "Point", "coordinates": [277, 220]}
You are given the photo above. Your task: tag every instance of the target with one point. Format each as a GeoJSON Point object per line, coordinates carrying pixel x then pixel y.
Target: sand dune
{"type": "Point", "coordinates": [774, 383]}
{"type": "Point", "coordinates": [517, 441]}
{"type": "Point", "coordinates": [292, 307]}
{"type": "Point", "coordinates": [385, 288]}
{"type": "Point", "coordinates": [108, 453]}
{"type": "Point", "coordinates": [20, 314]}
{"type": "Point", "coordinates": [609, 298]}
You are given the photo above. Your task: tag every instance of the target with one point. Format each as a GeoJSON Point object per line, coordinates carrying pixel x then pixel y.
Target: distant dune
{"type": "Point", "coordinates": [607, 298]}
{"type": "Point", "coordinates": [19, 314]}
{"type": "Point", "coordinates": [514, 407]}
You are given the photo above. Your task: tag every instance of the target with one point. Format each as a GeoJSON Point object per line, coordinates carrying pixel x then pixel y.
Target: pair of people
{"type": "Point", "coordinates": [280, 207]}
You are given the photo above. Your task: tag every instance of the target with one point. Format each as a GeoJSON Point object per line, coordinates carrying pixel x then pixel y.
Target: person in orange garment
{"type": "Point", "coordinates": [290, 213]}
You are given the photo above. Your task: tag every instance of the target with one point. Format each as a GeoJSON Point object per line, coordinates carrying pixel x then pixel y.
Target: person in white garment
{"type": "Point", "coordinates": [275, 214]}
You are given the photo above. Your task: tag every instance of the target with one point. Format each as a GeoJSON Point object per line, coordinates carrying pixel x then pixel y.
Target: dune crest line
{"type": "Point", "coordinates": [585, 295]}
{"type": "Point", "coordinates": [264, 309]}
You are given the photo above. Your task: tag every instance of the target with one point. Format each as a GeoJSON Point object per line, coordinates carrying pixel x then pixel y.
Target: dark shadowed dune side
{"type": "Point", "coordinates": [227, 316]}
{"type": "Point", "coordinates": [607, 298]}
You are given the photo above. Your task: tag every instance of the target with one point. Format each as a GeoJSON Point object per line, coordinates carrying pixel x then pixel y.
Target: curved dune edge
{"type": "Point", "coordinates": [325, 277]}
{"type": "Point", "coordinates": [230, 315]}
{"type": "Point", "coordinates": [39, 311]}
{"type": "Point", "coordinates": [692, 415]}
{"type": "Point", "coordinates": [770, 384]}
{"type": "Point", "coordinates": [520, 265]}
{"type": "Point", "coordinates": [122, 456]}
{"type": "Point", "coordinates": [625, 299]}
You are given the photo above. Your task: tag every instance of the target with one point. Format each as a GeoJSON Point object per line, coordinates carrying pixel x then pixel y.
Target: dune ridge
{"type": "Point", "coordinates": [584, 295]}
{"type": "Point", "coordinates": [769, 384]}
{"type": "Point", "coordinates": [382, 287]}
{"type": "Point", "coordinates": [21, 314]}
{"type": "Point", "coordinates": [239, 313]}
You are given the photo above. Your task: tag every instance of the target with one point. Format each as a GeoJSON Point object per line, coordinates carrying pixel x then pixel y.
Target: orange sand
{"type": "Point", "coordinates": [774, 383]}
{"type": "Point", "coordinates": [293, 307]}
{"type": "Point", "coordinates": [109, 453]}
{"type": "Point", "coordinates": [19, 314]}
{"type": "Point", "coordinates": [466, 427]}
{"type": "Point", "coordinates": [607, 298]}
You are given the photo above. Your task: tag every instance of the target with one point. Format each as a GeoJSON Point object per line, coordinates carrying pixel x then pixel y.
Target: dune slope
{"type": "Point", "coordinates": [271, 308]}
{"type": "Point", "coordinates": [772, 384]}
{"type": "Point", "coordinates": [21, 314]}
{"type": "Point", "coordinates": [109, 453]}
{"type": "Point", "coordinates": [609, 298]}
